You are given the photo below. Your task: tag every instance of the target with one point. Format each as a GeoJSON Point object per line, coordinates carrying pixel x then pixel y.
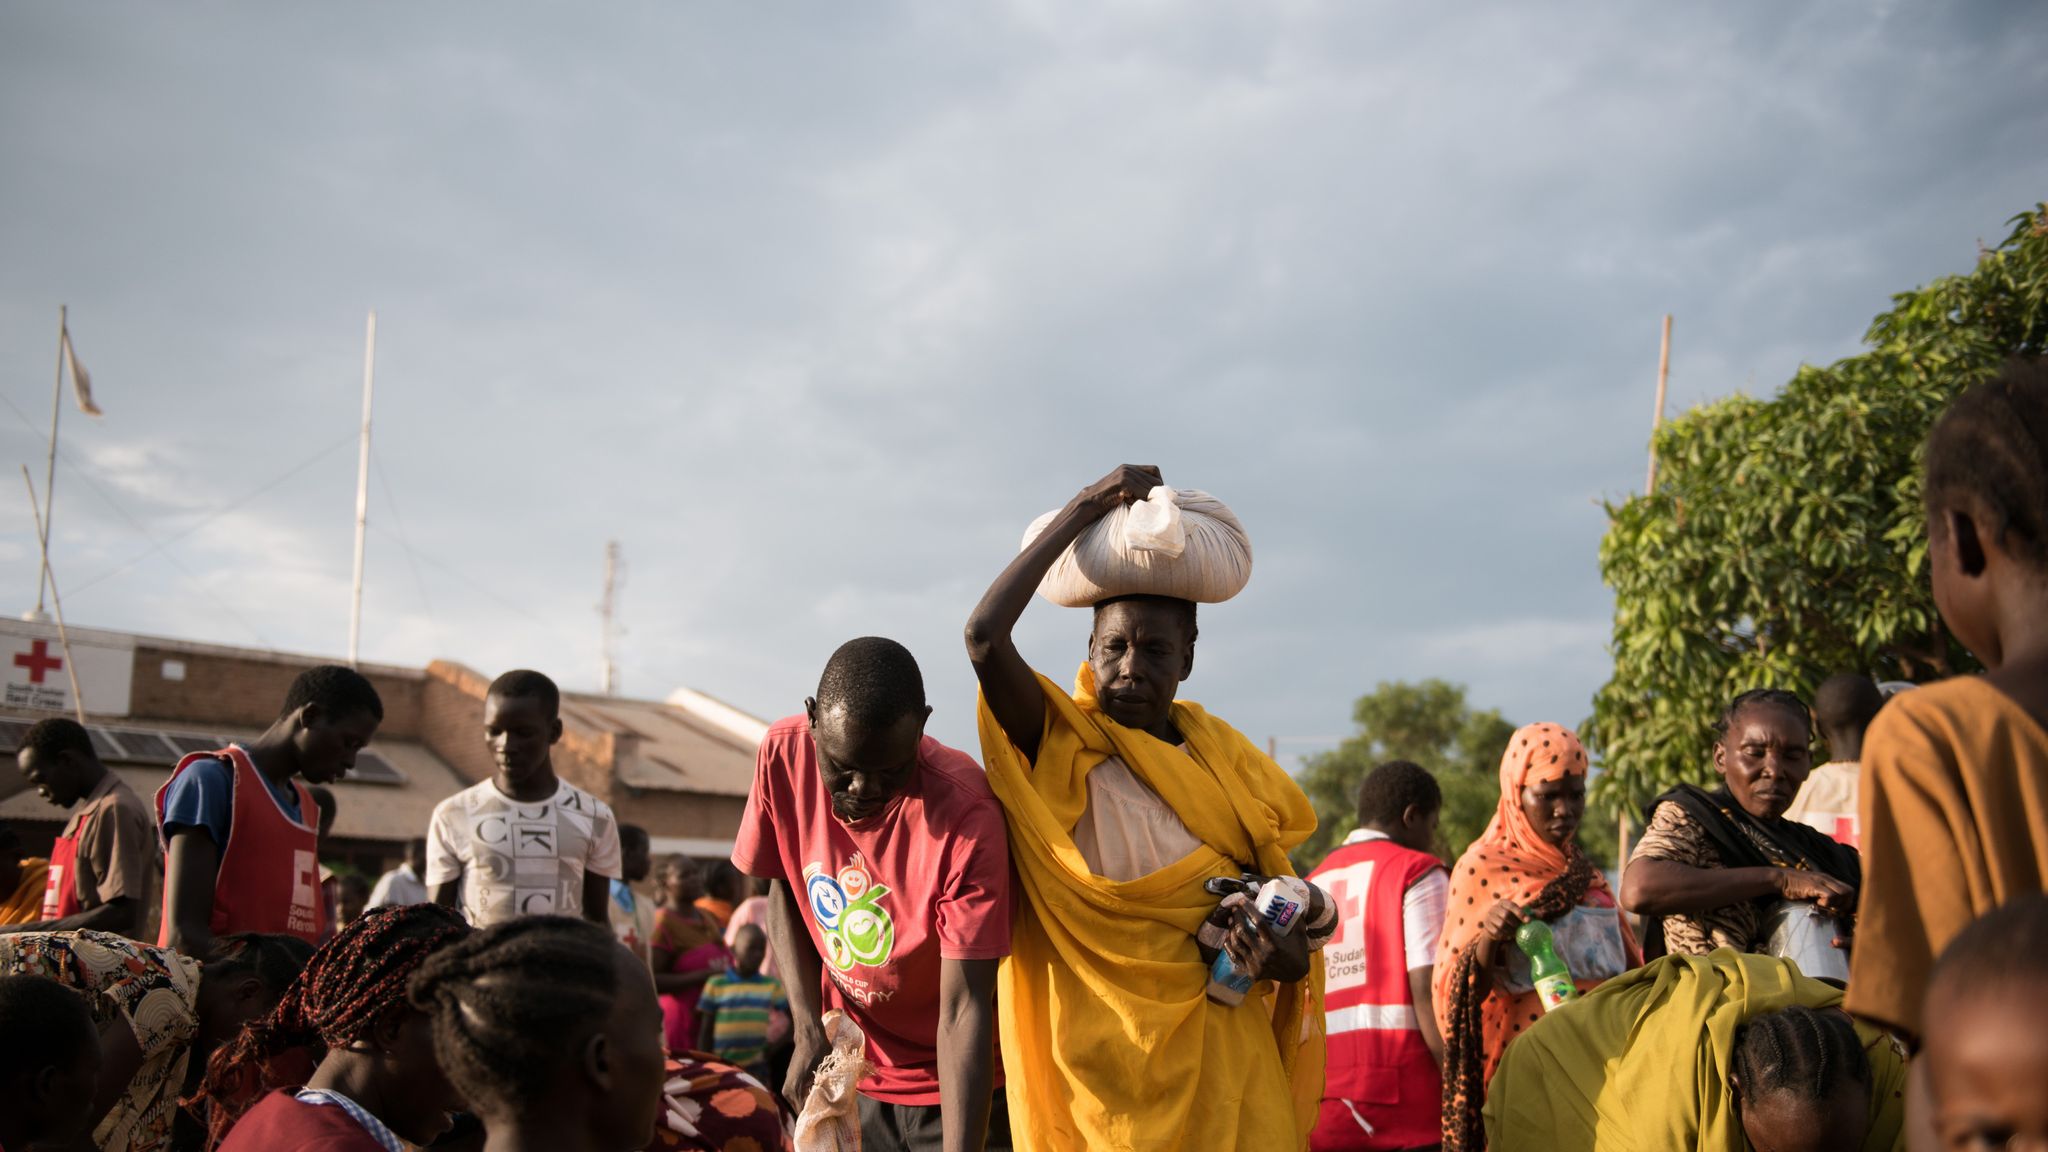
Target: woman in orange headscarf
{"type": "Point", "coordinates": [1526, 866]}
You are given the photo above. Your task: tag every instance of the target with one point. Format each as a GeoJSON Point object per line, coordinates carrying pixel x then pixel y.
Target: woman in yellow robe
{"type": "Point", "coordinates": [1121, 803]}
{"type": "Point", "coordinates": [1725, 1051]}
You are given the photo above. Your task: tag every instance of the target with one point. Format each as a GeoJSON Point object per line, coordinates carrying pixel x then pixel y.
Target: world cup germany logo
{"type": "Point", "coordinates": [847, 907]}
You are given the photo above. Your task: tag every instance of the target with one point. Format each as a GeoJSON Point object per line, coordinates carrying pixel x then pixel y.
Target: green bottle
{"type": "Point", "coordinates": [1547, 969]}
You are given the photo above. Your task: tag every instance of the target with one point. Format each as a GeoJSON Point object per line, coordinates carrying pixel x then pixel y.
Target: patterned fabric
{"type": "Point", "coordinates": [1509, 861]}
{"type": "Point", "coordinates": [1676, 836]}
{"type": "Point", "coordinates": [1714, 825]}
{"type": "Point", "coordinates": [714, 1107]}
{"type": "Point", "coordinates": [384, 1136]}
{"type": "Point", "coordinates": [154, 990]}
{"type": "Point", "coordinates": [739, 1031]}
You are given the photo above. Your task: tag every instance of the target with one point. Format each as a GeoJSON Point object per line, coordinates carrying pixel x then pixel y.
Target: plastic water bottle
{"type": "Point", "coordinates": [1282, 903]}
{"type": "Point", "coordinates": [1553, 979]}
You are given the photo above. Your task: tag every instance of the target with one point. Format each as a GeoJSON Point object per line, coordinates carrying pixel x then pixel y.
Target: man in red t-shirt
{"type": "Point", "coordinates": [891, 871]}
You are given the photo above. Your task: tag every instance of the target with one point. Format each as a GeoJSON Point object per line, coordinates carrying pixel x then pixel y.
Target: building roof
{"type": "Point", "coordinates": [667, 747]}
{"type": "Point", "coordinates": [389, 809]}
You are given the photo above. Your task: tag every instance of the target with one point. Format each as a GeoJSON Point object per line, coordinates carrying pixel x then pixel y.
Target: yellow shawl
{"type": "Point", "coordinates": [1108, 1041]}
{"type": "Point", "coordinates": [24, 905]}
{"type": "Point", "coordinates": [1641, 1063]}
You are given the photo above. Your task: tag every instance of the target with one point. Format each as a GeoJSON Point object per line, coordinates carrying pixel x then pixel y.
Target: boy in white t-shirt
{"type": "Point", "coordinates": [525, 842]}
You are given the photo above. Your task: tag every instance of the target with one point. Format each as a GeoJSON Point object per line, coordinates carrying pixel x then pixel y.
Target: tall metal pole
{"type": "Point", "coordinates": [355, 611]}
{"type": "Point", "coordinates": [57, 600]}
{"type": "Point", "coordinates": [50, 467]}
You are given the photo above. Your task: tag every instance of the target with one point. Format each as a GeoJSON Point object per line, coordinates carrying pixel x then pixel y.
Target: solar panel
{"type": "Point", "coordinates": [11, 733]}
{"type": "Point", "coordinates": [104, 745]}
{"type": "Point", "coordinates": [186, 745]}
{"type": "Point", "coordinates": [374, 769]}
{"type": "Point", "coordinates": [144, 746]}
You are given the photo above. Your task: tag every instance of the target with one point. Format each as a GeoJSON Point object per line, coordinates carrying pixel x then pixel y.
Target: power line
{"type": "Point", "coordinates": [216, 514]}
{"type": "Point", "coordinates": [142, 530]}
{"type": "Point", "coordinates": [404, 543]}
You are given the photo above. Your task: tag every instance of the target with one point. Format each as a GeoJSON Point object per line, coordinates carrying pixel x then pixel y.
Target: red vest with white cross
{"type": "Point", "coordinates": [1382, 1088]}
{"type": "Point", "coordinates": [269, 871]}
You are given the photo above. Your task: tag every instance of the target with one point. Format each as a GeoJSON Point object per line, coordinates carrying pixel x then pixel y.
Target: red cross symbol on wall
{"type": "Point", "coordinates": [38, 661]}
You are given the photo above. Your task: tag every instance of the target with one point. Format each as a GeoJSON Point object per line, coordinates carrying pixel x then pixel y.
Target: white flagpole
{"type": "Point", "coordinates": [63, 637]}
{"type": "Point", "coordinates": [355, 613]}
{"type": "Point", "coordinates": [50, 468]}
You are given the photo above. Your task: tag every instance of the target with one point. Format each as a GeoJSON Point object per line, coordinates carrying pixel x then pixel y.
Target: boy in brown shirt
{"type": "Point", "coordinates": [102, 867]}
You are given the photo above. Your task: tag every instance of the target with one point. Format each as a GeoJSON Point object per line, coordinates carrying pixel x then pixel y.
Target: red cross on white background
{"type": "Point", "coordinates": [38, 661]}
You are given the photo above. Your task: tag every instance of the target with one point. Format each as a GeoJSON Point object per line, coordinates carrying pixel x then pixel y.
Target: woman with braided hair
{"type": "Point", "coordinates": [1726, 1052]}
{"type": "Point", "coordinates": [376, 1079]}
{"type": "Point", "coordinates": [1525, 866]}
{"type": "Point", "coordinates": [549, 1029]}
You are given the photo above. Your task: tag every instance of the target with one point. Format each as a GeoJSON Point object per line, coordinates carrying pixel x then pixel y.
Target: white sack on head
{"type": "Point", "coordinates": [1177, 542]}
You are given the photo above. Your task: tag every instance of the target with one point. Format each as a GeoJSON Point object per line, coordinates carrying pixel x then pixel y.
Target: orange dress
{"type": "Point", "coordinates": [1511, 861]}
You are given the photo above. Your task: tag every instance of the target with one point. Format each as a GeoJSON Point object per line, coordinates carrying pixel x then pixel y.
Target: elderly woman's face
{"type": "Point", "coordinates": [1765, 758]}
{"type": "Point", "coordinates": [1555, 808]}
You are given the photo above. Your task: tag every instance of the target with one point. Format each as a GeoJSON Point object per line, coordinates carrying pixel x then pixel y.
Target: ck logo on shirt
{"type": "Point", "coordinates": [847, 907]}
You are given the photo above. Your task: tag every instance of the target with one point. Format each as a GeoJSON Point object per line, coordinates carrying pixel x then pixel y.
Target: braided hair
{"type": "Point", "coordinates": [1811, 1053]}
{"type": "Point", "coordinates": [1989, 452]}
{"type": "Point", "coordinates": [1760, 697]}
{"type": "Point", "coordinates": [511, 1004]}
{"type": "Point", "coordinates": [351, 981]}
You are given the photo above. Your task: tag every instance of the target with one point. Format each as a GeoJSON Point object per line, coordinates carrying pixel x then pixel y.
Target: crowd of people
{"type": "Point", "coordinates": [1091, 935]}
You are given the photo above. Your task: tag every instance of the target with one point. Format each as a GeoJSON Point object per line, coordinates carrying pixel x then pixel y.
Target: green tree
{"type": "Point", "coordinates": [1785, 541]}
{"type": "Point", "coordinates": [1428, 723]}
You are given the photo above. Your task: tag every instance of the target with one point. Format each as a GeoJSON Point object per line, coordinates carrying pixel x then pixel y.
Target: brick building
{"type": "Point", "coordinates": [679, 768]}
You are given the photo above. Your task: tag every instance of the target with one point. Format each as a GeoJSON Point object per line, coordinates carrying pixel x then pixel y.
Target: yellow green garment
{"type": "Point", "coordinates": [1641, 1063]}
{"type": "Point", "coordinates": [1109, 1043]}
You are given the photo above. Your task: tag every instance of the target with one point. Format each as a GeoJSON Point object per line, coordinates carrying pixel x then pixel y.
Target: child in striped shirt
{"type": "Point", "coordinates": [732, 1015]}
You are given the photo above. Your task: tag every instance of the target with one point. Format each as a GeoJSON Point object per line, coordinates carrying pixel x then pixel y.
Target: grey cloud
{"type": "Point", "coordinates": [816, 307]}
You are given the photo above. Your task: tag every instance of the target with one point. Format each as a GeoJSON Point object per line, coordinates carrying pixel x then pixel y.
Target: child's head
{"type": "Point", "coordinates": [724, 882]}
{"type": "Point", "coordinates": [351, 998]}
{"type": "Point", "coordinates": [681, 880]}
{"type": "Point", "coordinates": [749, 948]}
{"type": "Point", "coordinates": [1987, 507]}
{"type": "Point", "coordinates": [1404, 801]}
{"type": "Point", "coordinates": [1799, 1079]}
{"type": "Point", "coordinates": [352, 897]}
{"type": "Point", "coordinates": [547, 1015]}
{"type": "Point", "coordinates": [332, 712]}
{"type": "Point", "coordinates": [635, 859]}
{"type": "Point", "coordinates": [1985, 1049]}
{"type": "Point", "coordinates": [522, 721]}
{"type": "Point", "coordinates": [243, 979]}
{"type": "Point", "coordinates": [49, 1061]}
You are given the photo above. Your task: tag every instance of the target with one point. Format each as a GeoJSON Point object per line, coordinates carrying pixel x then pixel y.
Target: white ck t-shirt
{"type": "Point", "coordinates": [521, 859]}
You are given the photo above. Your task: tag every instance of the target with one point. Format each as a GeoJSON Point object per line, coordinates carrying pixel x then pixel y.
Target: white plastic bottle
{"type": "Point", "coordinates": [1282, 903]}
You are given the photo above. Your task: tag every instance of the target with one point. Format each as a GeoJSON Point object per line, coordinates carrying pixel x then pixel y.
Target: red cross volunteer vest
{"type": "Point", "coordinates": [269, 873]}
{"type": "Point", "coordinates": [60, 889]}
{"type": "Point", "coordinates": [1382, 1089]}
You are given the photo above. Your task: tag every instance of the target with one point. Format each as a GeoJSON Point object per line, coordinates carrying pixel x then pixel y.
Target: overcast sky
{"type": "Point", "coordinates": [814, 307]}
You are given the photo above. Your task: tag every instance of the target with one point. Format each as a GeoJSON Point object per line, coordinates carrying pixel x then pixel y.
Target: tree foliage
{"type": "Point", "coordinates": [1785, 541]}
{"type": "Point", "coordinates": [1428, 723]}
